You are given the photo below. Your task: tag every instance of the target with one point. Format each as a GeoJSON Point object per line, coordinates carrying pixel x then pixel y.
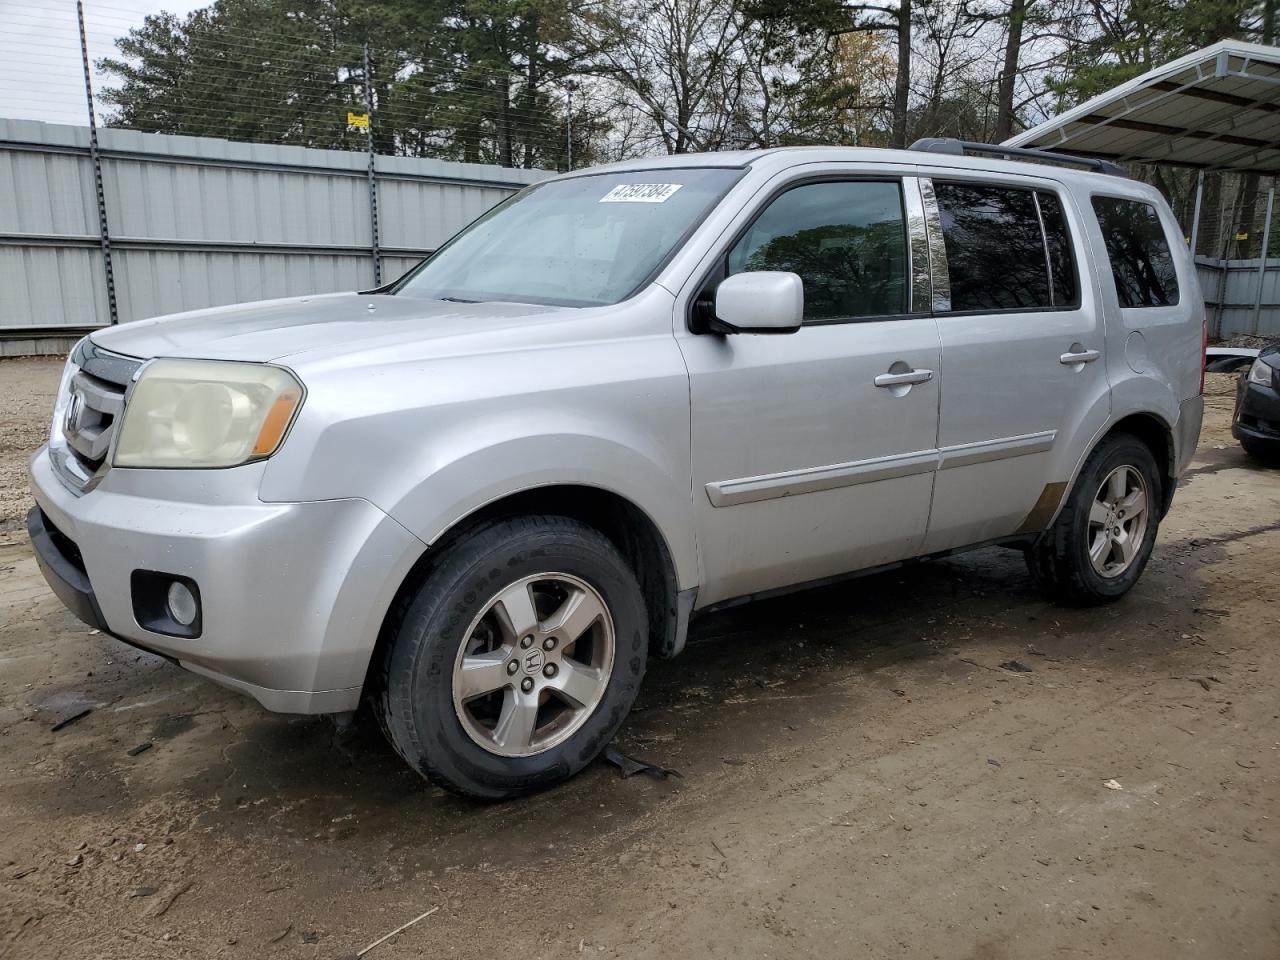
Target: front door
{"type": "Point", "coordinates": [813, 453]}
{"type": "Point", "coordinates": [1022, 342]}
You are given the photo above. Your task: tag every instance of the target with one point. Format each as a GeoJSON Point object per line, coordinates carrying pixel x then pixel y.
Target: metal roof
{"type": "Point", "coordinates": [1215, 109]}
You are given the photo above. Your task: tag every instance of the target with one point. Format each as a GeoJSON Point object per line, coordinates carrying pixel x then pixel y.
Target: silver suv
{"type": "Point", "coordinates": [483, 496]}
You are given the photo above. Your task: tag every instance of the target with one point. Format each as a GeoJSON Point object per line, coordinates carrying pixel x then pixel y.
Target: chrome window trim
{"type": "Point", "coordinates": [938, 271]}
{"type": "Point", "coordinates": [918, 260]}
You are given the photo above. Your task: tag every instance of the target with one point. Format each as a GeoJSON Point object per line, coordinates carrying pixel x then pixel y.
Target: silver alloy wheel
{"type": "Point", "coordinates": [1117, 521]}
{"type": "Point", "coordinates": [534, 665]}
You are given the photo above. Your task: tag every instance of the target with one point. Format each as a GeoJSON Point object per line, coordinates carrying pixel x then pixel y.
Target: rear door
{"type": "Point", "coordinates": [1022, 334]}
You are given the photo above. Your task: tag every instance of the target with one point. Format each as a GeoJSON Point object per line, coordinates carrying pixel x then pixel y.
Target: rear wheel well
{"type": "Point", "coordinates": [1158, 437]}
{"type": "Point", "coordinates": [626, 526]}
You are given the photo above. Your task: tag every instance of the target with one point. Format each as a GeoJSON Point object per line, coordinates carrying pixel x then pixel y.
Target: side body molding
{"type": "Point", "coordinates": [727, 493]}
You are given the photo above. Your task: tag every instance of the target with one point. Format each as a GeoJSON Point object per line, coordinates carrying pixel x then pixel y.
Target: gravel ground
{"type": "Point", "coordinates": [861, 778]}
{"type": "Point", "coordinates": [26, 405]}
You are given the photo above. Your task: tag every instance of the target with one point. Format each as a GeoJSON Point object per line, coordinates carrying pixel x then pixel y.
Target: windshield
{"type": "Point", "coordinates": [585, 241]}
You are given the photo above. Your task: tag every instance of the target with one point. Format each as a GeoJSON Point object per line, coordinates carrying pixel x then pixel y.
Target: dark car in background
{"type": "Point", "coordinates": [1256, 423]}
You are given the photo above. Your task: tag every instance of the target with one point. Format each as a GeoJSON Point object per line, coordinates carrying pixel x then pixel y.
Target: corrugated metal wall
{"type": "Point", "coordinates": [199, 222]}
{"type": "Point", "coordinates": [1230, 294]}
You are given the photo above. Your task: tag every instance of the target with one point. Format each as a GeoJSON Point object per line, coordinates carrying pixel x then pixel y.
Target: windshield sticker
{"type": "Point", "coordinates": [640, 193]}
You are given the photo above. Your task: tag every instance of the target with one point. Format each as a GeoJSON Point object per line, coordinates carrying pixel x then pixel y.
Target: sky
{"type": "Point", "coordinates": [41, 72]}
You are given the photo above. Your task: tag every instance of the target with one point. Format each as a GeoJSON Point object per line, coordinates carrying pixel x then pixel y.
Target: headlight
{"type": "Point", "coordinates": [1260, 373]}
{"type": "Point", "coordinates": [206, 413]}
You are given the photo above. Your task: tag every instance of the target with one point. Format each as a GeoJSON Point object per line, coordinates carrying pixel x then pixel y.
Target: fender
{"type": "Point", "coordinates": [429, 434]}
{"type": "Point", "coordinates": [480, 476]}
{"type": "Point", "coordinates": [451, 493]}
{"type": "Point", "coordinates": [1140, 403]}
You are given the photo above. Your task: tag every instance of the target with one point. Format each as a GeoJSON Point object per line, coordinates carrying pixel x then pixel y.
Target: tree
{"type": "Point", "coordinates": [675, 60]}
{"type": "Point", "coordinates": [464, 79]}
{"type": "Point", "coordinates": [243, 69]}
{"type": "Point", "coordinates": [1115, 40]}
{"type": "Point", "coordinates": [1009, 70]}
{"type": "Point", "coordinates": [486, 80]}
{"type": "Point", "coordinates": [869, 17]}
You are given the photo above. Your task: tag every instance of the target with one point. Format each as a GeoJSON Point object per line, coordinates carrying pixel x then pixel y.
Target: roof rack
{"type": "Point", "coordinates": [959, 148]}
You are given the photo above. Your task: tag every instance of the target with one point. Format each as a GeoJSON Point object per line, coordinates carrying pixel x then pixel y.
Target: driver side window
{"type": "Point", "coordinates": [847, 240]}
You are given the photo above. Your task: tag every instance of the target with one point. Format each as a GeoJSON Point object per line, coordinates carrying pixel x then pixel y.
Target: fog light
{"type": "Point", "coordinates": [167, 603]}
{"type": "Point", "coordinates": [182, 604]}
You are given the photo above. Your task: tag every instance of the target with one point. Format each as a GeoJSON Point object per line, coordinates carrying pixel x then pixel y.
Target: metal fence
{"type": "Point", "coordinates": [189, 222]}
{"type": "Point", "coordinates": [1241, 298]}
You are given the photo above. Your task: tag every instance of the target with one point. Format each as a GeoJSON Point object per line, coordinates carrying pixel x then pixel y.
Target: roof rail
{"type": "Point", "coordinates": [959, 148]}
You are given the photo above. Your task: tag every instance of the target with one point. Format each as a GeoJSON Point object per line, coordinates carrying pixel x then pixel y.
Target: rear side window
{"type": "Point", "coordinates": [847, 240]}
{"type": "Point", "coordinates": [1139, 252]}
{"type": "Point", "coordinates": [995, 249]}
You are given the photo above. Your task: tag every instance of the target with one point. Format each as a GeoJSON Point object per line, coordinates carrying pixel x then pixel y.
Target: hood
{"type": "Point", "coordinates": [325, 324]}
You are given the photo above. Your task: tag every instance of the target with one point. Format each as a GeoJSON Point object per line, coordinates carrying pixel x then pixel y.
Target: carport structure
{"type": "Point", "coordinates": [1217, 109]}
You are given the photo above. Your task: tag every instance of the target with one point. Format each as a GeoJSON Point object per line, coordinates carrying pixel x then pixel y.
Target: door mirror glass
{"type": "Point", "coordinates": [760, 301]}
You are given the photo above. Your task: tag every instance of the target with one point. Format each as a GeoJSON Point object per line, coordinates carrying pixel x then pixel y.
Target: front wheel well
{"type": "Point", "coordinates": [1158, 437]}
{"type": "Point", "coordinates": [626, 526]}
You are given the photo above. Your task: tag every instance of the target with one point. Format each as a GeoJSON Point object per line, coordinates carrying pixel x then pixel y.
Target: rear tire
{"type": "Point", "coordinates": [516, 661]}
{"type": "Point", "coordinates": [1101, 541]}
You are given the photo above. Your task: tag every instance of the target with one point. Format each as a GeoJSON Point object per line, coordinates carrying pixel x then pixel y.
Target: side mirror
{"type": "Point", "coordinates": [762, 301]}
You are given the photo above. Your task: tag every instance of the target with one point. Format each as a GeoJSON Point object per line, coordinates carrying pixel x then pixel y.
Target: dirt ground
{"type": "Point", "coordinates": [861, 777]}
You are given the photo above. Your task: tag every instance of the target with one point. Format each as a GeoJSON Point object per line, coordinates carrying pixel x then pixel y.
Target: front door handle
{"type": "Point", "coordinates": [1082, 356]}
{"type": "Point", "coordinates": [903, 379]}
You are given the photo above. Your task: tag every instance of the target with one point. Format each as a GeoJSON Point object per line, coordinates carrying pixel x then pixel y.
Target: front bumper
{"type": "Point", "coordinates": [293, 594]}
{"type": "Point", "coordinates": [1257, 413]}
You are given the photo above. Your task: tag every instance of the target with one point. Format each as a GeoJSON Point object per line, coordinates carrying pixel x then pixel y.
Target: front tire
{"type": "Point", "coordinates": [516, 661]}
{"type": "Point", "coordinates": [1101, 541]}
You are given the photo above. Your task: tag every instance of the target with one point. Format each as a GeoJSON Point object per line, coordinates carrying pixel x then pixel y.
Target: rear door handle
{"type": "Point", "coordinates": [1084, 356]}
{"type": "Point", "coordinates": [903, 379]}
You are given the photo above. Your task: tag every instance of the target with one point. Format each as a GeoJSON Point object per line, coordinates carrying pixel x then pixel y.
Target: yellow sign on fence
{"type": "Point", "coordinates": [360, 120]}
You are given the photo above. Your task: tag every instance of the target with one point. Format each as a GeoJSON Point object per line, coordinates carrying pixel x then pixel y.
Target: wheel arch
{"type": "Point", "coordinates": [628, 526]}
{"type": "Point", "coordinates": [1154, 431]}
{"type": "Point", "coordinates": [1149, 427]}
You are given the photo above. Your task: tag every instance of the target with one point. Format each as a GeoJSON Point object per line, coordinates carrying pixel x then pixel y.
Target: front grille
{"type": "Point", "coordinates": [90, 413]}
{"type": "Point", "coordinates": [92, 410]}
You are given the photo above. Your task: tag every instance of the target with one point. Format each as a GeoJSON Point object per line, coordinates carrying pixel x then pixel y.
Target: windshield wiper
{"type": "Point", "coordinates": [459, 300]}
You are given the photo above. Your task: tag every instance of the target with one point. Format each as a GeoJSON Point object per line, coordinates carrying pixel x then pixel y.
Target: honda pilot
{"type": "Point", "coordinates": [483, 497]}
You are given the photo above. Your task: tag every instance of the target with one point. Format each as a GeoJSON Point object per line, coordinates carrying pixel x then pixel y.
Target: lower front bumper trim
{"type": "Point", "coordinates": [69, 583]}
{"type": "Point", "coordinates": [284, 701]}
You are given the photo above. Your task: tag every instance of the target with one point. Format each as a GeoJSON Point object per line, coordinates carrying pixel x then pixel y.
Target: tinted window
{"type": "Point", "coordinates": [847, 241]}
{"type": "Point", "coordinates": [1062, 263]}
{"type": "Point", "coordinates": [1140, 259]}
{"type": "Point", "coordinates": [995, 250]}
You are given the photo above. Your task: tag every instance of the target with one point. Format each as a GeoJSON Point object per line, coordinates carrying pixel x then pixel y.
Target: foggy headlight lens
{"type": "Point", "coordinates": [206, 413]}
{"type": "Point", "coordinates": [1260, 373]}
